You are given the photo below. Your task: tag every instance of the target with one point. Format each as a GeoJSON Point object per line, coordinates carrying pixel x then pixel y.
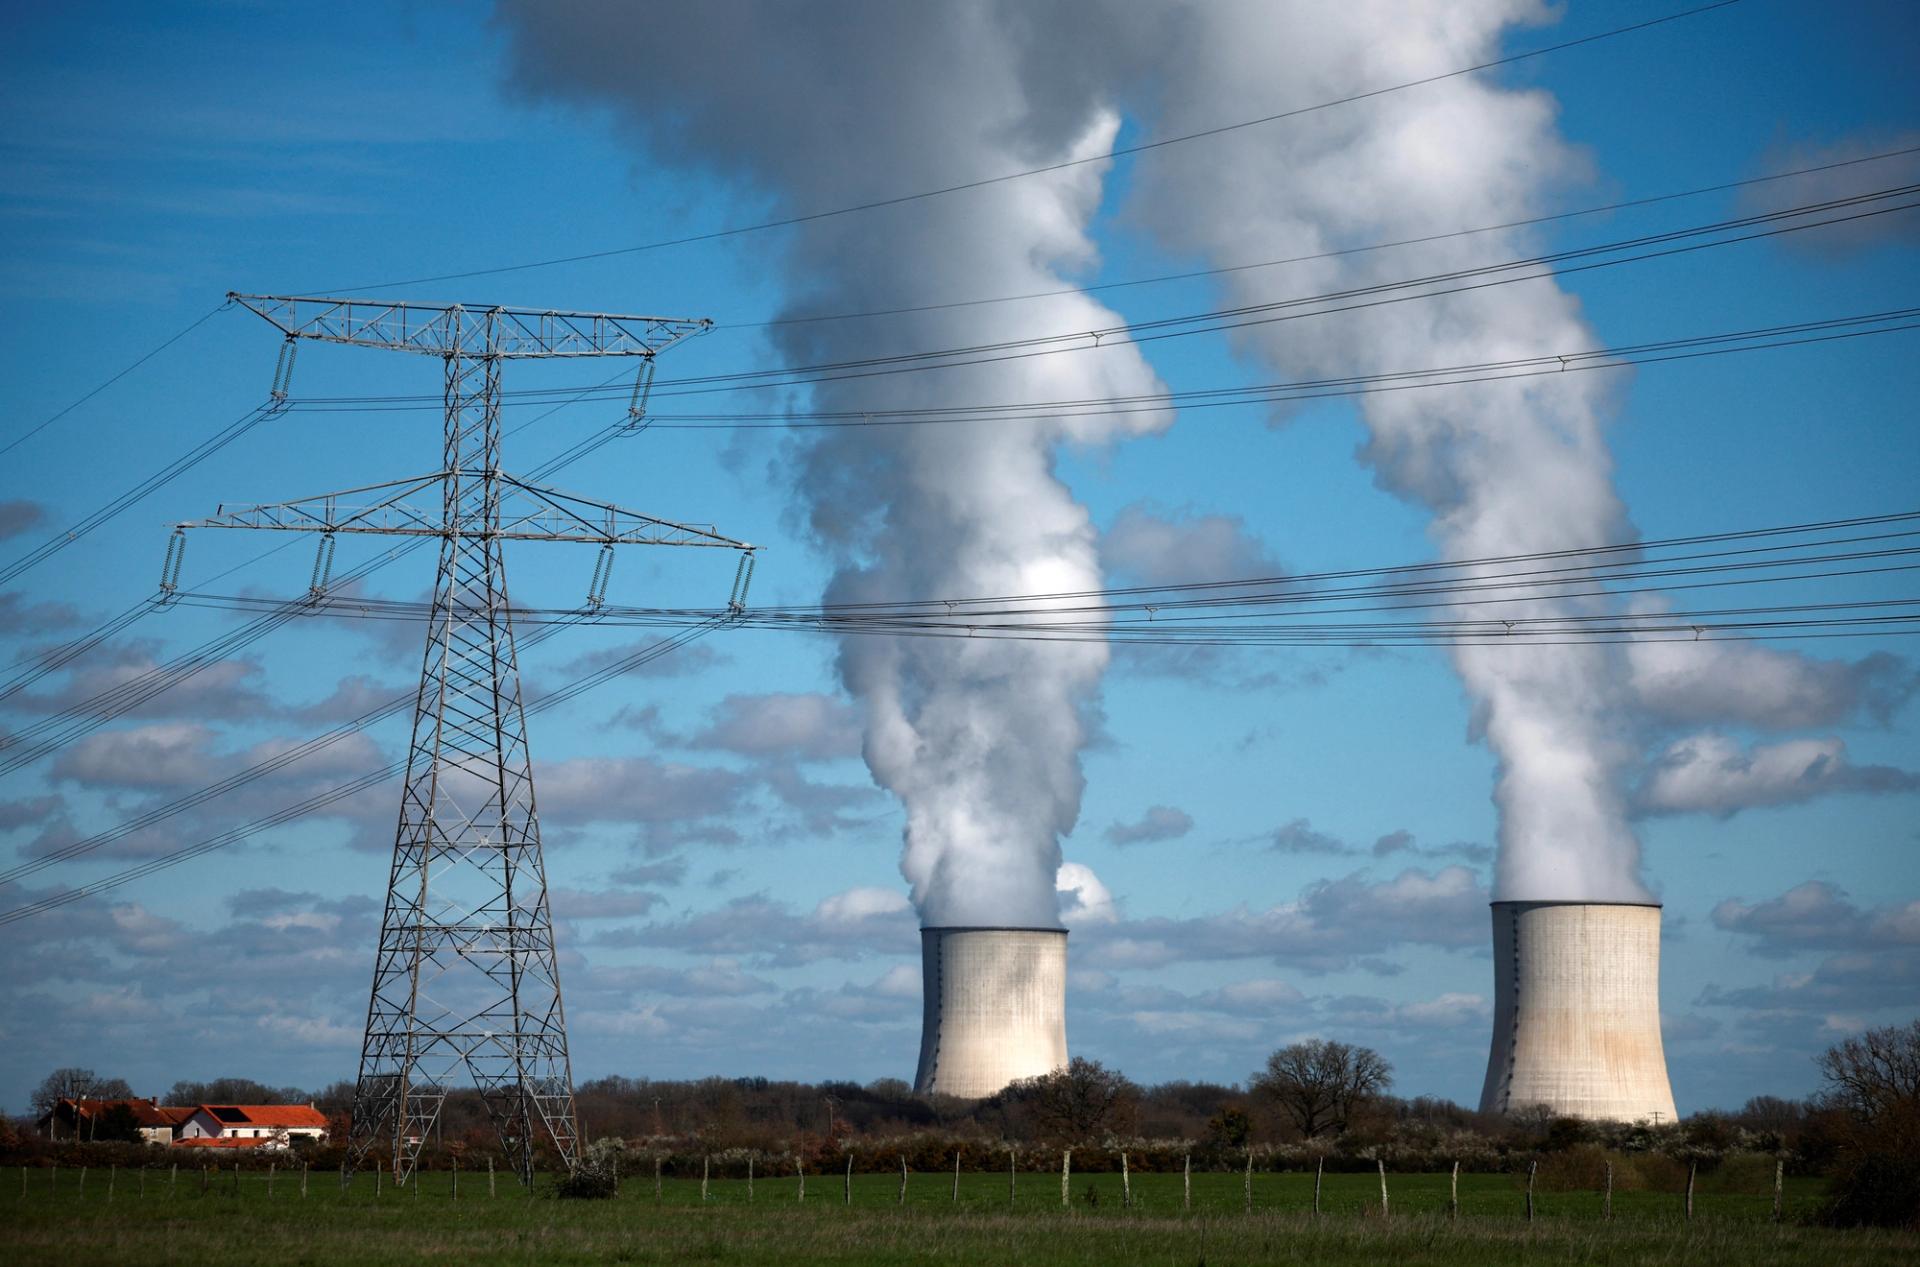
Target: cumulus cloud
{"type": "Point", "coordinates": [1147, 546]}
{"type": "Point", "coordinates": [1747, 685]}
{"type": "Point", "coordinates": [1299, 836]}
{"type": "Point", "coordinates": [633, 790]}
{"type": "Point", "coordinates": [798, 726]}
{"type": "Point", "coordinates": [1839, 182]}
{"type": "Point", "coordinates": [1714, 774]}
{"type": "Point", "coordinates": [1818, 916]}
{"type": "Point", "coordinates": [1332, 925]}
{"type": "Point", "coordinates": [1160, 822]}
{"type": "Point", "coordinates": [18, 516]}
{"type": "Point", "coordinates": [854, 924]}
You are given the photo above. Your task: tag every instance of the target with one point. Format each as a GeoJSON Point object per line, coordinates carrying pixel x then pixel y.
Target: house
{"type": "Point", "coordinates": [252, 1125]}
{"type": "Point", "coordinates": [81, 1119]}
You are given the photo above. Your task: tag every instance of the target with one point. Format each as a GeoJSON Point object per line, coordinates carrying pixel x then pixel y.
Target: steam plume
{"type": "Point", "coordinates": [849, 102]}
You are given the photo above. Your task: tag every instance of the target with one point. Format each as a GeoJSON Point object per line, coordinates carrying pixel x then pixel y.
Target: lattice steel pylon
{"type": "Point", "coordinates": [466, 975]}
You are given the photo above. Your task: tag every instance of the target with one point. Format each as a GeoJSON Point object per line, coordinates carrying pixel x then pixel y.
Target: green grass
{"type": "Point", "coordinates": [58, 1223]}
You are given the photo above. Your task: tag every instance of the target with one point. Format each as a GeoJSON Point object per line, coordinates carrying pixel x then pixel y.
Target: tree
{"type": "Point", "coordinates": [76, 1084]}
{"type": "Point", "coordinates": [1082, 1100]}
{"type": "Point", "coordinates": [1875, 1073]}
{"type": "Point", "coordinates": [117, 1122]}
{"type": "Point", "coordinates": [1320, 1082]}
{"type": "Point", "coordinates": [1873, 1086]}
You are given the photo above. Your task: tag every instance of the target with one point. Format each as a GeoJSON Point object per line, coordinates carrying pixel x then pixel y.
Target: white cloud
{"type": "Point", "coordinates": [1712, 774]}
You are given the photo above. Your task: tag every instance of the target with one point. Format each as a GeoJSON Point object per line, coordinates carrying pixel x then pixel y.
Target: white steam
{"type": "Point", "coordinates": [1503, 468]}
{"type": "Point", "coordinates": [823, 105]}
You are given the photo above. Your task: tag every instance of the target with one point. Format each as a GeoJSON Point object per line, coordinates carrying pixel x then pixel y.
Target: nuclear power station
{"type": "Point", "coordinates": [995, 1004]}
{"type": "Point", "coordinates": [1576, 1011]}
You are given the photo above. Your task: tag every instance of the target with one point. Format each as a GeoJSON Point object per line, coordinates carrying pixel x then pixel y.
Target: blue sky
{"type": "Point", "coordinates": [726, 871]}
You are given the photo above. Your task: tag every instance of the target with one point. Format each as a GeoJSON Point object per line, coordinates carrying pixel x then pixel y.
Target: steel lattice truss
{"type": "Point", "coordinates": [466, 981]}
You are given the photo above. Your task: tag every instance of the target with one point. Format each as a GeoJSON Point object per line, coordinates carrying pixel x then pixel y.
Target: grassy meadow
{"type": "Point", "coordinates": [146, 1219]}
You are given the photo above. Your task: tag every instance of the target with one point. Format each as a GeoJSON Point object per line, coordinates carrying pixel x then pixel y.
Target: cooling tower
{"type": "Point", "coordinates": [1576, 1011]}
{"type": "Point", "coordinates": [995, 1007]}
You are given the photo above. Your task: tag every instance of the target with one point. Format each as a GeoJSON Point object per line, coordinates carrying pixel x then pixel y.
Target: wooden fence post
{"type": "Point", "coordinates": [903, 1180]}
{"type": "Point", "coordinates": [1606, 1205]}
{"type": "Point", "coordinates": [379, 1180]}
{"type": "Point", "coordinates": [113, 1173]}
{"type": "Point", "coordinates": [956, 1176]}
{"type": "Point", "coordinates": [1066, 1169]}
{"type": "Point", "coordinates": [1453, 1197]}
{"type": "Point", "coordinates": [1691, 1169]}
{"type": "Point", "coordinates": [83, 1181]}
{"type": "Point", "coordinates": [173, 1177]}
{"type": "Point", "coordinates": [1009, 1178]}
{"type": "Point", "coordinates": [800, 1170]}
{"type": "Point", "coordinates": [1319, 1170]}
{"type": "Point", "coordinates": [270, 1169]}
{"type": "Point", "coordinates": [1246, 1185]}
{"type": "Point", "coordinates": [236, 1178]}
{"type": "Point", "coordinates": [749, 1176]}
{"type": "Point", "coordinates": [303, 1179]}
{"type": "Point", "coordinates": [456, 1179]}
{"type": "Point", "coordinates": [203, 1180]}
{"type": "Point", "coordinates": [847, 1194]}
{"type": "Point", "coordinates": [1779, 1182]}
{"type": "Point", "coordinates": [1126, 1185]}
{"type": "Point", "coordinates": [706, 1169]}
{"type": "Point", "coordinates": [1186, 1183]}
{"type": "Point", "coordinates": [1532, 1166]}
{"type": "Point", "coordinates": [1380, 1162]}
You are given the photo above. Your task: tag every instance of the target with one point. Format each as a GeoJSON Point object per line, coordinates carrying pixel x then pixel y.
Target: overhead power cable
{"type": "Point", "coordinates": [1547, 266]}
{"type": "Point", "coordinates": [811, 318]}
{"type": "Point", "coordinates": [340, 792]}
{"type": "Point", "coordinates": [35, 740]}
{"type": "Point", "coordinates": [1022, 174]}
{"type": "Point", "coordinates": [185, 462]}
{"type": "Point", "coordinates": [33, 431]}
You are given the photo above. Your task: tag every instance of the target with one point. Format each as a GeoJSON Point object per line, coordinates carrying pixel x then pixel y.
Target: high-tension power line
{"type": "Point", "coordinates": [466, 978]}
{"type": "Point", "coordinates": [1063, 165]}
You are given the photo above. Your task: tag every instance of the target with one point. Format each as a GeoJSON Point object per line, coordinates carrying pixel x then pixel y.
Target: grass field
{"type": "Point", "coordinates": [146, 1221]}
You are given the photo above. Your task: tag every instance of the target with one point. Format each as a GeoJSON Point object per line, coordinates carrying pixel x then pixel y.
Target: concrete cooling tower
{"type": "Point", "coordinates": [1576, 1011]}
{"type": "Point", "coordinates": [996, 1008]}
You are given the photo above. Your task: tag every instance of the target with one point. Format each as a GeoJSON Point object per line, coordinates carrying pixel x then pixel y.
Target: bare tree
{"type": "Point", "coordinates": [1875, 1073]}
{"type": "Point", "coordinates": [1080, 1101]}
{"type": "Point", "coordinates": [1319, 1082]}
{"type": "Point", "coordinates": [76, 1084]}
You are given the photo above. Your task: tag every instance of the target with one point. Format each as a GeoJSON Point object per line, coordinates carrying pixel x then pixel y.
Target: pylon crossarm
{"type": "Point", "coordinates": [455, 330]}
{"type": "Point", "coordinates": [527, 512]}
{"type": "Point", "coordinates": [325, 512]}
{"type": "Point", "coordinates": [566, 516]}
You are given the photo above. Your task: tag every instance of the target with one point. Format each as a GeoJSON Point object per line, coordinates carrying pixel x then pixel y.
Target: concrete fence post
{"type": "Point", "coordinates": [271, 1166]}
{"type": "Point", "coordinates": [956, 1176]}
{"type": "Point", "coordinates": [1066, 1171]}
{"type": "Point", "coordinates": [1453, 1196]}
{"type": "Point", "coordinates": [1779, 1183]}
{"type": "Point", "coordinates": [706, 1170]}
{"type": "Point", "coordinates": [1010, 1179]}
{"type": "Point", "coordinates": [1126, 1184]}
{"type": "Point", "coordinates": [1606, 1201]}
{"type": "Point", "coordinates": [1691, 1171]}
{"type": "Point", "coordinates": [749, 1176]}
{"type": "Point", "coordinates": [903, 1180]}
{"type": "Point", "coordinates": [1246, 1185]}
{"type": "Point", "coordinates": [1532, 1167]}
{"type": "Point", "coordinates": [1319, 1172]}
{"type": "Point", "coordinates": [1186, 1183]}
{"type": "Point", "coordinates": [1383, 1187]}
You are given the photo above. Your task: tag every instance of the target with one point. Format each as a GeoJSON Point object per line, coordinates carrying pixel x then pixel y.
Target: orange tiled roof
{"type": "Point", "coordinates": [272, 1115]}
{"type": "Point", "coordinates": [228, 1142]}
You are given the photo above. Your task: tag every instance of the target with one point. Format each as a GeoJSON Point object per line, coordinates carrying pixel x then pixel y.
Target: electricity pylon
{"type": "Point", "coordinates": [466, 974]}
